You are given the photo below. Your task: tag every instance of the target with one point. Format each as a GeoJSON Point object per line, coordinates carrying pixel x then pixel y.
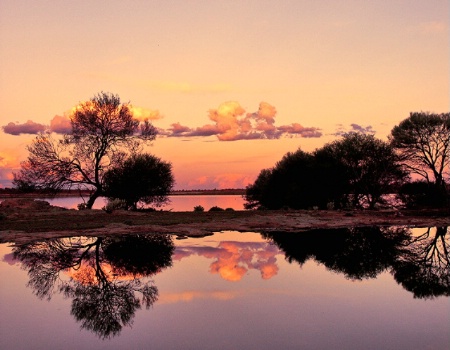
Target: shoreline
{"type": "Point", "coordinates": [28, 220]}
{"type": "Point", "coordinates": [6, 194]}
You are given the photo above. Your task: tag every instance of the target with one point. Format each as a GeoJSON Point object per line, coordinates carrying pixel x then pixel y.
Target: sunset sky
{"type": "Point", "coordinates": [231, 85]}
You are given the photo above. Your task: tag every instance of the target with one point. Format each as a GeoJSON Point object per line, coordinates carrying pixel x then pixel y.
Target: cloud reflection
{"type": "Point", "coordinates": [232, 260]}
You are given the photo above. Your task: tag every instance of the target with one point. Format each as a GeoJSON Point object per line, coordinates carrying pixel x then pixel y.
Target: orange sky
{"type": "Point", "coordinates": [232, 86]}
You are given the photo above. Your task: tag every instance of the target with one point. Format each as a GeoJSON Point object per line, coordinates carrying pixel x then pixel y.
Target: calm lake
{"type": "Point", "coordinates": [177, 202]}
{"type": "Point", "coordinates": [366, 288]}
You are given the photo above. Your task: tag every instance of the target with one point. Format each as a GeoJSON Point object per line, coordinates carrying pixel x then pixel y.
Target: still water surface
{"type": "Point", "coordinates": [370, 288]}
{"type": "Point", "coordinates": [177, 203]}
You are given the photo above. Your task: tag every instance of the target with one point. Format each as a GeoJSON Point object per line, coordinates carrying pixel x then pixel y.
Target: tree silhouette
{"type": "Point", "coordinates": [370, 167]}
{"type": "Point", "coordinates": [423, 143]}
{"type": "Point", "coordinates": [106, 275]}
{"type": "Point", "coordinates": [103, 132]}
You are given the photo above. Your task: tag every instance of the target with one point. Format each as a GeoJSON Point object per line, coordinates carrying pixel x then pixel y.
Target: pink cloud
{"type": "Point", "coordinates": [232, 260]}
{"type": "Point", "coordinates": [29, 127]}
{"type": "Point", "coordinates": [298, 129]}
{"type": "Point", "coordinates": [232, 123]}
{"type": "Point", "coordinates": [178, 129]}
{"type": "Point", "coordinates": [61, 125]}
{"type": "Point", "coordinates": [221, 181]}
{"type": "Point", "coordinates": [9, 259]}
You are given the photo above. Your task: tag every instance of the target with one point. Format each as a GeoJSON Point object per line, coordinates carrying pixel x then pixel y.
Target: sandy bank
{"type": "Point", "coordinates": [27, 220]}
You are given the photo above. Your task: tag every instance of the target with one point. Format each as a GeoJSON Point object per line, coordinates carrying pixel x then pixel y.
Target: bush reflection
{"type": "Point", "coordinates": [106, 278]}
{"type": "Point", "coordinates": [419, 262]}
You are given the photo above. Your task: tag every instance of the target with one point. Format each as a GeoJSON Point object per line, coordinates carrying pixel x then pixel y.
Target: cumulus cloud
{"type": "Point", "coordinates": [232, 260]}
{"type": "Point", "coordinates": [60, 124]}
{"type": "Point", "coordinates": [231, 123]}
{"type": "Point", "coordinates": [142, 114]}
{"type": "Point", "coordinates": [29, 127]}
{"type": "Point", "coordinates": [342, 130]}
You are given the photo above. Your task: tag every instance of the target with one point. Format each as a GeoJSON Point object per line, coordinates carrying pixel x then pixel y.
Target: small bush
{"type": "Point", "coordinates": [229, 209]}
{"type": "Point", "coordinates": [82, 206]}
{"type": "Point", "coordinates": [114, 204]}
{"type": "Point", "coordinates": [199, 208]}
{"type": "Point", "coordinates": [216, 208]}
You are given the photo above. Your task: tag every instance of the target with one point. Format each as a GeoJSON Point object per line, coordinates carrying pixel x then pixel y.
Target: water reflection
{"type": "Point", "coordinates": [232, 260]}
{"type": "Point", "coordinates": [419, 262]}
{"type": "Point", "coordinates": [106, 278]}
{"type": "Point", "coordinates": [423, 265]}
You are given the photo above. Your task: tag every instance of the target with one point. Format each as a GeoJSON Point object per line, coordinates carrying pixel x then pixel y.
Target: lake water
{"type": "Point", "coordinates": [177, 203]}
{"type": "Point", "coordinates": [367, 288]}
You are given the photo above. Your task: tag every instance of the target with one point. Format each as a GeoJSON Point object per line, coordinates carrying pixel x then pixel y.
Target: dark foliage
{"type": "Point", "coordinates": [140, 178]}
{"type": "Point", "coordinates": [422, 194]}
{"type": "Point", "coordinates": [355, 170]}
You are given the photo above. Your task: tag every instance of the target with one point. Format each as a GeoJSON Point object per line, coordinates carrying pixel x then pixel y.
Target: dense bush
{"type": "Point", "coordinates": [140, 178]}
{"type": "Point", "coordinates": [353, 171]}
{"type": "Point", "coordinates": [421, 194]}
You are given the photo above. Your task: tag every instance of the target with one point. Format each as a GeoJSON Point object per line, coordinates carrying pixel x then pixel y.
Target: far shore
{"type": "Point", "coordinates": [11, 193]}
{"type": "Point", "coordinates": [25, 220]}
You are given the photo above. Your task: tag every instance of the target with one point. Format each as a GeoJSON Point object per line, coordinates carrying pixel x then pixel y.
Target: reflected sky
{"type": "Point", "coordinates": [177, 203]}
{"type": "Point", "coordinates": [244, 290]}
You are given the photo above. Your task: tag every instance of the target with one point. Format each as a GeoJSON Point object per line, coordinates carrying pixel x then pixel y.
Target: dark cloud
{"type": "Point", "coordinates": [341, 130]}
{"type": "Point", "coordinates": [29, 127]}
{"type": "Point", "coordinates": [59, 124]}
{"type": "Point", "coordinates": [178, 129]}
{"type": "Point", "coordinates": [365, 130]}
{"type": "Point", "coordinates": [205, 130]}
{"type": "Point", "coordinates": [9, 259]}
{"type": "Point", "coordinates": [297, 129]}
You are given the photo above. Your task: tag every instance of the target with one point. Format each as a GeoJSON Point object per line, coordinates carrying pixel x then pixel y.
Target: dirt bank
{"type": "Point", "coordinates": [23, 220]}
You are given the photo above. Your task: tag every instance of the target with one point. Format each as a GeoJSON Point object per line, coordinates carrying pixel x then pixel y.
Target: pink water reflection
{"type": "Point", "coordinates": [177, 203]}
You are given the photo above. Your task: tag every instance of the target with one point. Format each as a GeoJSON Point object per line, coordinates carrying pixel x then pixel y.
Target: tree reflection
{"type": "Point", "coordinates": [358, 253]}
{"type": "Point", "coordinates": [419, 263]}
{"type": "Point", "coordinates": [106, 278]}
{"type": "Point", "coordinates": [423, 266]}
